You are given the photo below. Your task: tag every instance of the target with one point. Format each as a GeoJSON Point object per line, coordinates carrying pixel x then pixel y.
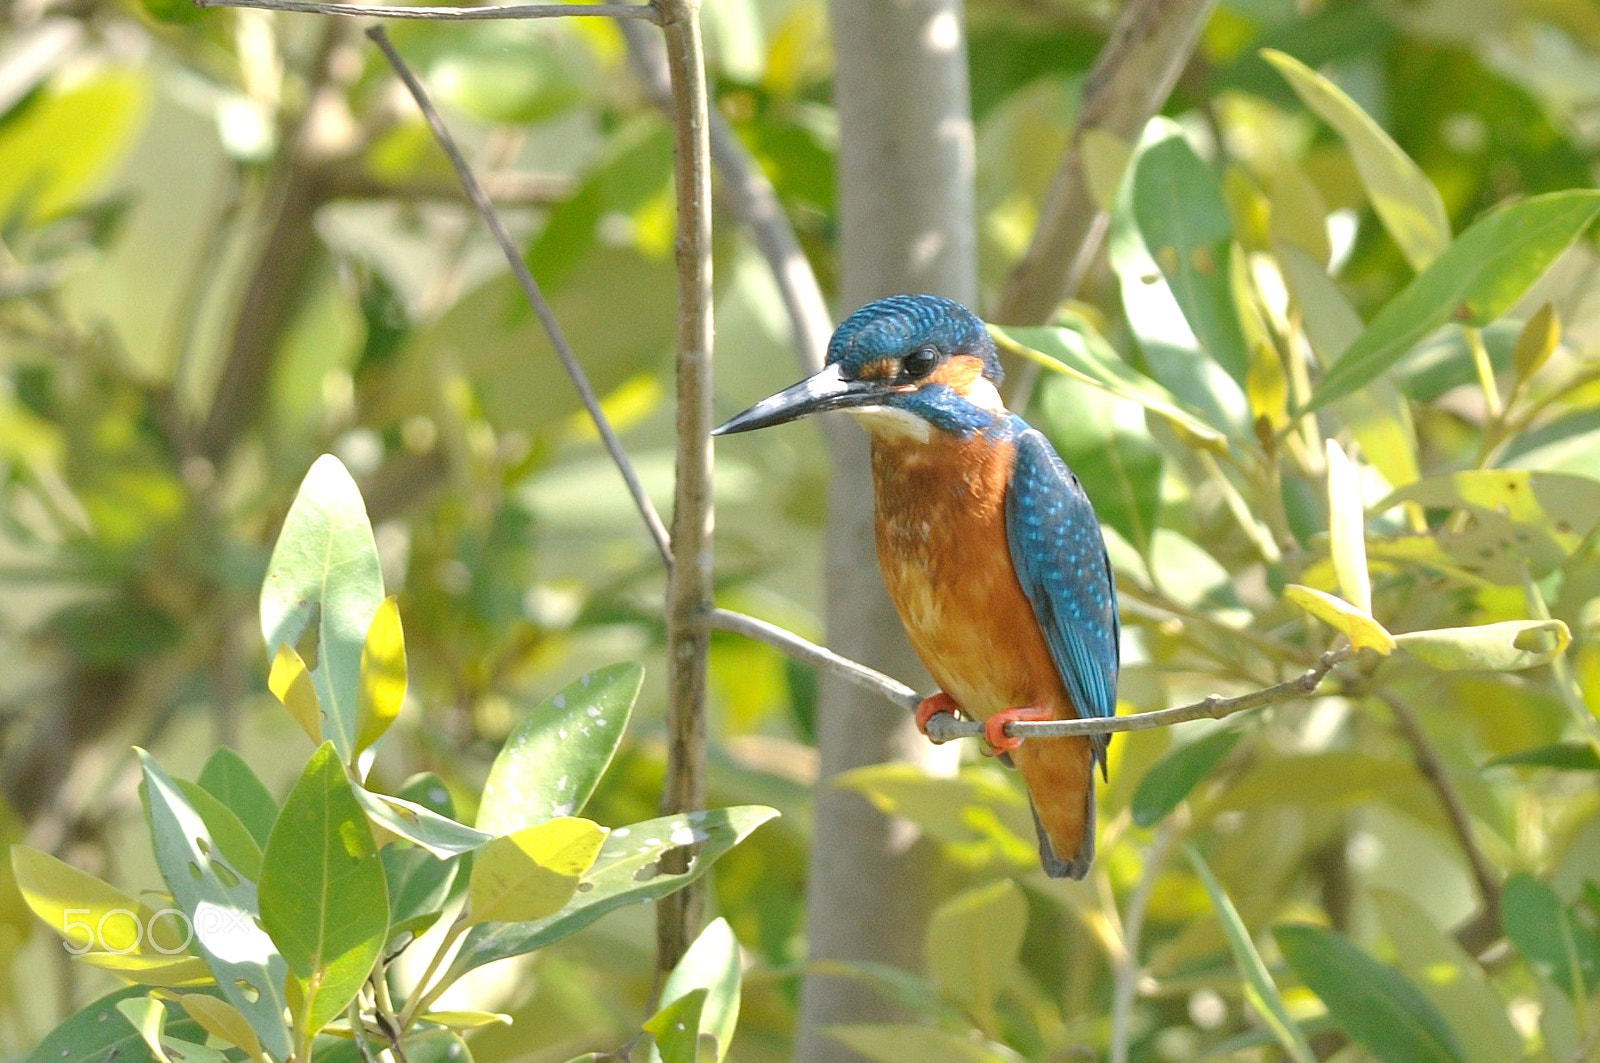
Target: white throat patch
{"type": "Point", "coordinates": [888, 422]}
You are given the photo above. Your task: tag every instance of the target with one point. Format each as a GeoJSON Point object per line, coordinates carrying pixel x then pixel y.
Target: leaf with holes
{"type": "Point", "coordinates": [221, 906]}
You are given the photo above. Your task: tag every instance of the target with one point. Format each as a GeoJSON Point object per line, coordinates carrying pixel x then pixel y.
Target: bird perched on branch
{"type": "Point", "coordinates": [989, 547]}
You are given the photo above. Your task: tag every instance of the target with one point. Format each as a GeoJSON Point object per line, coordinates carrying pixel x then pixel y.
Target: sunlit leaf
{"type": "Point", "coordinates": [533, 872]}
{"type": "Point", "coordinates": [1347, 529]}
{"type": "Point", "coordinates": [1403, 197]}
{"type": "Point", "coordinates": [972, 944]}
{"type": "Point", "coordinates": [1482, 274]}
{"type": "Point", "coordinates": [1363, 631]}
{"type": "Point", "coordinates": [323, 896]}
{"type": "Point", "coordinates": [99, 1033]}
{"type": "Point", "coordinates": [222, 1021]}
{"type": "Point", "coordinates": [45, 172]}
{"type": "Point", "coordinates": [149, 1018]}
{"type": "Point", "coordinates": [324, 570]}
{"type": "Point", "coordinates": [553, 759]}
{"type": "Point", "coordinates": [1370, 1001]}
{"type": "Point", "coordinates": [290, 682]}
{"type": "Point", "coordinates": [86, 912]}
{"type": "Point", "coordinates": [439, 835]}
{"type": "Point", "coordinates": [234, 841]}
{"type": "Point", "coordinates": [147, 969]}
{"type": "Point", "coordinates": [383, 675]}
{"type": "Point", "coordinates": [1508, 646]}
{"type": "Point", "coordinates": [1540, 336]}
{"type": "Point", "coordinates": [466, 1020]}
{"type": "Point", "coordinates": [1259, 988]}
{"type": "Point", "coordinates": [627, 871]}
{"type": "Point", "coordinates": [711, 964]}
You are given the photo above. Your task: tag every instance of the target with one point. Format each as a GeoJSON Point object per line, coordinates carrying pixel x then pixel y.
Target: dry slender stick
{"type": "Point", "coordinates": [689, 589]}
{"type": "Point", "coordinates": [643, 12]}
{"type": "Point", "coordinates": [530, 289]}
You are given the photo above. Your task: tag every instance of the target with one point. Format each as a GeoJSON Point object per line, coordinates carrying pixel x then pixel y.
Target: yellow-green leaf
{"type": "Point", "coordinates": [532, 873]}
{"type": "Point", "coordinates": [972, 945]}
{"type": "Point", "coordinates": [152, 969]}
{"type": "Point", "coordinates": [466, 1020]}
{"type": "Point", "coordinates": [150, 1019]}
{"type": "Point", "coordinates": [1105, 160]}
{"type": "Point", "coordinates": [1362, 630]}
{"type": "Point", "coordinates": [1509, 646]}
{"type": "Point", "coordinates": [290, 682]}
{"type": "Point", "coordinates": [1403, 197]}
{"type": "Point", "coordinates": [383, 675]}
{"type": "Point", "coordinates": [1347, 532]}
{"type": "Point", "coordinates": [91, 915]}
{"type": "Point", "coordinates": [222, 1021]}
{"type": "Point", "coordinates": [1540, 336]}
{"type": "Point", "coordinates": [1266, 385]}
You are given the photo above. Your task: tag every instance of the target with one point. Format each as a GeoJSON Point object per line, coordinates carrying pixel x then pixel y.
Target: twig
{"type": "Point", "coordinates": [944, 727]}
{"type": "Point", "coordinates": [821, 657]}
{"type": "Point", "coordinates": [535, 297]}
{"type": "Point", "coordinates": [1455, 809]}
{"type": "Point", "coordinates": [643, 12]}
{"type": "Point", "coordinates": [689, 582]}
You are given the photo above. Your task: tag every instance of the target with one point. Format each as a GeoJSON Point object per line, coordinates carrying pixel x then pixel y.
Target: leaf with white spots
{"type": "Point", "coordinates": [552, 761]}
{"type": "Point", "coordinates": [628, 870]}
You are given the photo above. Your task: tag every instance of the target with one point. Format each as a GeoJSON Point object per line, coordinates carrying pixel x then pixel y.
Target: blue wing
{"type": "Point", "coordinates": [1060, 558]}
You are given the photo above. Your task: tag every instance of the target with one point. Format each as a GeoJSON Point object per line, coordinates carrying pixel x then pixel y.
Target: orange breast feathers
{"type": "Point", "coordinates": [941, 531]}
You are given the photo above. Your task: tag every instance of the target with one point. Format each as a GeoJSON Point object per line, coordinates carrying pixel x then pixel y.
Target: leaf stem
{"type": "Point", "coordinates": [1485, 368]}
{"type": "Point", "coordinates": [422, 994]}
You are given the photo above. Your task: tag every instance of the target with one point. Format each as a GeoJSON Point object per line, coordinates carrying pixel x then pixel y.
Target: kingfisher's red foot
{"type": "Point", "coordinates": [931, 707]}
{"type": "Point", "coordinates": [994, 728]}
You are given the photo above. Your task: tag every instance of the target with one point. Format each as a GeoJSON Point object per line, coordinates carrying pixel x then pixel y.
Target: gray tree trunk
{"type": "Point", "coordinates": [907, 225]}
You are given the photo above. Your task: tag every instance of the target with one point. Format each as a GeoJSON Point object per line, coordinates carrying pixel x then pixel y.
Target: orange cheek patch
{"type": "Point", "coordinates": [959, 372]}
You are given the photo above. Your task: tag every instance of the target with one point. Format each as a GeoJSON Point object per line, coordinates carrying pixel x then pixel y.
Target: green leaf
{"type": "Point", "coordinates": [419, 884]}
{"type": "Point", "coordinates": [1372, 1002]}
{"type": "Point", "coordinates": [324, 570]}
{"type": "Point", "coordinates": [1538, 340]}
{"type": "Point", "coordinates": [627, 871]}
{"type": "Point", "coordinates": [149, 1017]}
{"type": "Point", "coordinates": [711, 966]}
{"type": "Point", "coordinates": [1186, 226]}
{"type": "Point", "coordinates": [323, 896]}
{"type": "Point", "coordinates": [1450, 978]}
{"type": "Point", "coordinates": [88, 914]}
{"type": "Point", "coordinates": [1482, 274]}
{"type": "Point", "coordinates": [1259, 988]}
{"type": "Point", "coordinates": [98, 1033]}
{"type": "Point", "coordinates": [1073, 353]}
{"type": "Point", "coordinates": [1403, 197]}
{"type": "Point", "coordinates": [420, 825]}
{"type": "Point", "coordinates": [229, 779]}
{"type": "Point", "coordinates": [978, 811]}
{"type": "Point", "coordinates": [1509, 646]}
{"type": "Point", "coordinates": [532, 873]}
{"type": "Point", "coordinates": [383, 675]}
{"type": "Point", "coordinates": [1171, 778]}
{"type": "Point", "coordinates": [1363, 632]}
{"type": "Point", "coordinates": [676, 1028]}
{"type": "Point", "coordinates": [147, 969]}
{"type": "Point", "coordinates": [221, 907]}
{"type": "Point", "coordinates": [1565, 756]}
{"type": "Point", "coordinates": [553, 759]}
{"type": "Point", "coordinates": [972, 944]}
{"type": "Point", "coordinates": [898, 1043]}
{"type": "Point", "coordinates": [1347, 530]}
{"type": "Point", "coordinates": [1560, 946]}
{"type": "Point", "coordinates": [235, 843]}
{"type": "Point", "coordinates": [43, 173]}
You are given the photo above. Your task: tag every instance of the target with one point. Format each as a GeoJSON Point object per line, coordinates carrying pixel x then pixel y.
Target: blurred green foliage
{"type": "Point", "coordinates": [226, 247]}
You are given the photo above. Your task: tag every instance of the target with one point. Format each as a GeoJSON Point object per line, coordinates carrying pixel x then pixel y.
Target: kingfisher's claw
{"type": "Point", "coordinates": [994, 728]}
{"type": "Point", "coordinates": [931, 707]}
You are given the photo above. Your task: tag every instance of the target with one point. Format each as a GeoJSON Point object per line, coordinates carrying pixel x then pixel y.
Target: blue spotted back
{"type": "Point", "coordinates": [1060, 559]}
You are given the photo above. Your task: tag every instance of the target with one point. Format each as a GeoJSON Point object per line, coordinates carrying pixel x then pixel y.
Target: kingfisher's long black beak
{"type": "Point", "coordinates": [827, 390]}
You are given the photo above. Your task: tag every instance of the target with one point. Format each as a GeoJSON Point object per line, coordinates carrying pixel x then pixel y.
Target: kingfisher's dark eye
{"type": "Point", "coordinates": [920, 362]}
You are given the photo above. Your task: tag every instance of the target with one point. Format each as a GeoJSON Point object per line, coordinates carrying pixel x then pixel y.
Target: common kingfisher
{"type": "Point", "coordinates": [989, 546]}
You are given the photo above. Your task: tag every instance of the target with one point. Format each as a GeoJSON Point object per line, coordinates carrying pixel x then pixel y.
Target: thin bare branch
{"type": "Point", "coordinates": [535, 297]}
{"type": "Point", "coordinates": [643, 12]}
{"type": "Point", "coordinates": [808, 652]}
{"type": "Point", "coordinates": [689, 583]}
{"type": "Point", "coordinates": [1432, 769]}
{"type": "Point", "coordinates": [944, 727]}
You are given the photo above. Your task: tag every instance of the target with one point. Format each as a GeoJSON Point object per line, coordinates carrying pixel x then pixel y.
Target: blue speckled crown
{"type": "Point", "coordinates": [889, 328]}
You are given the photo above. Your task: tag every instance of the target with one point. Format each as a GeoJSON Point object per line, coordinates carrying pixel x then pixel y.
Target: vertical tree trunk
{"type": "Point", "coordinates": [906, 212]}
